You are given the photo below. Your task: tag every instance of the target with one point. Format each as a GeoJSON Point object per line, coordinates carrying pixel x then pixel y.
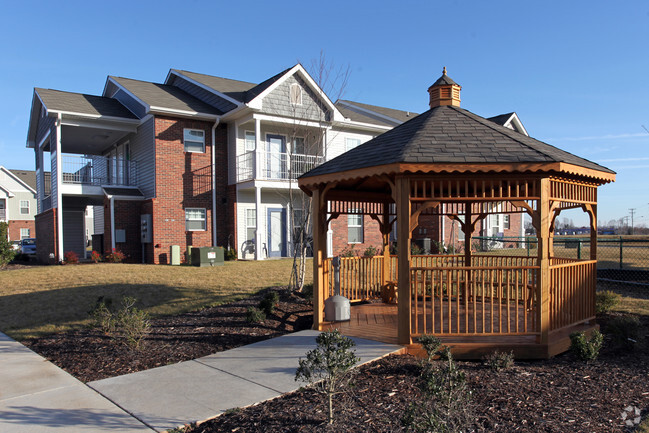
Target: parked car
{"type": "Point", "coordinates": [16, 245]}
{"type": "Point", "coordinates": [28, 247]}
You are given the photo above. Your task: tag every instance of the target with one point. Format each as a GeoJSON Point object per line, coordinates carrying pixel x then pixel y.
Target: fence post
{"type": "Point", "coordinates": [527, 245]}
{"type": "Point", "coordinates": [620, 252]}
{"type": "Point", "coordinates": [579, 250]}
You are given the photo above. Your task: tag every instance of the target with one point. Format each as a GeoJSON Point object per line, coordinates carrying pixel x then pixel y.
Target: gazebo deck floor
{"type": "Point", "coordinates": [378, 322]}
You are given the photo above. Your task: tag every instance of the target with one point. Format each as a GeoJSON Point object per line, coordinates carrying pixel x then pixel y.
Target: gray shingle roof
{"type": "Point", "coordinates": [449, 135]}
{"type": "Point", "coordinates": [27, 176]}
{"type": "Point", "coordinates": [444, 80]}
{"type": "Point", "coordinates": [501, 119]}
{"type": "Point", "coordinates": [399, 115]}
{"type": "Point", "coordinates": [84, 104]}
{"type": "Point", "coordinates": [165, 96]}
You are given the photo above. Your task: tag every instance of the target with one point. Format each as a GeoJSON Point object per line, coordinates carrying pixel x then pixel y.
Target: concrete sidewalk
{"type": "Point", "coordinates": [174, 395]}
{"type": "Point", "coordinates": [36, 396]}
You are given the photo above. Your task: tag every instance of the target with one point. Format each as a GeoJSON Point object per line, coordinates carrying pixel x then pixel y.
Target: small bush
{"type": "Point", "coordinates": [7, 253]}
{"type": "Point", "coordinates": [255, 315]}
{"type": "Point", "coordinates": [307, 291]}
{"type": "Point", "coordinates": [70, 258]}
{"type": "Point", "coordinates": [102, 316]}
{"type": "Point", "coordinates": [95, 256]}
{"type": "Point", "coordinates": [115, 257]}
{"type": "Point", "coordinates": [348, 251]}
{"type": "Point", "coordinates": [371, 251]}
{"type": "Point", "coordinates": [431, 345]}
{"type": "Point", "coordinates": [586, 349]}
{"type": "Point", "coordinates": [268, 304]}
{"type": "Point", "coordinates": [498, 360]}
{"type": "Point", "coordinates": [132, 323]}
{"type": "Point", "coordinates": [605, 301]}
{"type": "Point", "coordinates": [230, 254]}
{"type": "Point", "coordinates": [415, 250]}
{"type": "Point", "coordinates": [625, 330]}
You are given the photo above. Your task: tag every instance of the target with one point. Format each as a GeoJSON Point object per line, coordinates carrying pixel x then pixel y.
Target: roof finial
{"type": "Point", "coordinates": [444, 71]}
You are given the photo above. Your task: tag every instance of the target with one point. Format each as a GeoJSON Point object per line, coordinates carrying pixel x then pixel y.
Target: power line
{"type": "Point", "coordinates": [632, 210]}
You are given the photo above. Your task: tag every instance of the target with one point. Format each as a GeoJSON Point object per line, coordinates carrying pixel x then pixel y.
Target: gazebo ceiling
{"type": "Point", "coordinates": [449, 139]}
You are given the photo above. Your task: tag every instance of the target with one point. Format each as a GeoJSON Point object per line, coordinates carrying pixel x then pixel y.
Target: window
{"type": "Point", "coordinates": [296, 94]}
{"type": "Point", "coordinates": [251, 224]}
{"type": "Point", "coordinates": [194, 140]}
{"type": "Point", "coordinates": [195, 219]}
{"type": "Point", "coordinates": [251, 142]}
{"type": "Point", "coordinates": [351, 143]}
{"type": "Point", "coordinates": [506, 221]}
{"type": "Point", "coordinates": [298, 146]}
{"type": "Point", "coordinates": [24, 207]}
{"type": "Point", "coordinates": [24, 234]}
{"type": "Point", "coordinates": [355, 228]}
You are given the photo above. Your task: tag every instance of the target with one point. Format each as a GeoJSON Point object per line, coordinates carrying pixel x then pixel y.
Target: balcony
{"type": "Point", "coordinates": [274, 165]}
{"type": "Point", "coordinates": [98, 171]}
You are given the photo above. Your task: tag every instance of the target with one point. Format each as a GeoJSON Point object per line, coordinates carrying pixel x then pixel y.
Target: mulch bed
{"type": "Point", "coordinates": [562, 394]}
{"type": "Point", "coordinates": [90, 355]}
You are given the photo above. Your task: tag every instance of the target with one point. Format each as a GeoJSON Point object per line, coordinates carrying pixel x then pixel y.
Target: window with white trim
{"type": "Point", "coordinates": [355, 228]}
{"type": "Point", "coordinates": [194, 140]}
{"type": "Point", "coordinates": [296, 94]}
{"type": "Point", "coordinates": [195, 219]}
{"type": "Point", "coordinates": [24, 234]}
{"type": "Point", "coordinates": [251, 224]}
{"type": "Point", "coordinates": [251, 141]}
{"type": "Point", "coordinates": [24, 207]}
{"type": "Point", "coordinates": [351, 143]}
{"type": "Point", "coordinates": [298, 147]}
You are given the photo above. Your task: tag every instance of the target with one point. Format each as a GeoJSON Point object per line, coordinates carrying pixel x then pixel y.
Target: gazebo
{"type": "Point", "coordinates": [450, 162]}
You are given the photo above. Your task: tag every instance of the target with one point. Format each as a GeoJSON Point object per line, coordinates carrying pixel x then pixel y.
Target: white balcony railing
{"type": "Point", "coordinates": [98, 170]}
{"type": "Point", "coordinates": [274, 165]}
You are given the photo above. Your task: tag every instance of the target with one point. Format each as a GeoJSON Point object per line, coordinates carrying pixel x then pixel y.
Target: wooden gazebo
{"type": "Point", "coordinates": [451, 162]}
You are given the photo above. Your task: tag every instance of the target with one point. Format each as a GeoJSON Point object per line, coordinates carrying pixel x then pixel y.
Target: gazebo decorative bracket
{"type": "Point", "coordinates": [535, 216]}
{"type": "Point", "coordinates": [414, 218]}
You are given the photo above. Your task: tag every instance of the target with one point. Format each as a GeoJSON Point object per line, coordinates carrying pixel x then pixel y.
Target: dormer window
{"type": "Point", "coordinates": [296, 94]}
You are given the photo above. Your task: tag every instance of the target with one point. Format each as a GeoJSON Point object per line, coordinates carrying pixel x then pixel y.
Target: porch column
{"type": "Point", "coordinates": [257, 162]}
{"type": "Point", "coordinates": [543, 293]}
{"type": "Point", "coordinates": [319, 256]}
{"type": "Point", "coordinates": [258, 231]}
{"type": "Point", "coordinates": [403, 243]}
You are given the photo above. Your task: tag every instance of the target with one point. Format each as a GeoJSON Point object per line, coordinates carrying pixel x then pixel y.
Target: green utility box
{"type": "Point", "coordinates": [207, 256]}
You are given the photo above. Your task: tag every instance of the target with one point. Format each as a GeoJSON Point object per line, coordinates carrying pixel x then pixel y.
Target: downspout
{"type": "Point", "coordinates": [216, 123]}
{"type": "Point", "coordinates": [59, 185]}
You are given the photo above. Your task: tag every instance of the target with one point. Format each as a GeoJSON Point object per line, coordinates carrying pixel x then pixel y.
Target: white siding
{"type": "Point", "coordinates": [336, 140]}
{"type": "Point", "coordinates": [98, 212]}
{"type": "Point", "coordinates": [143, 153]}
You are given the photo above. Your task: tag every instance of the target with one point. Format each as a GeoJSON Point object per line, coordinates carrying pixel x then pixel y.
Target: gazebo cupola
{"type": "Point", "coordinates": [444, 91]}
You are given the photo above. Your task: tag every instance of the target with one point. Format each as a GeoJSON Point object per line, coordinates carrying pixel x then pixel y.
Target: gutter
{"type": "Point", "coordinates": [216, 123]}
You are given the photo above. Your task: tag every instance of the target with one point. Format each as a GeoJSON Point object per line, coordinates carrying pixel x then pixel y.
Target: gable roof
{"type": "Point", "coordinates": [450, 135]}
{"type": "Point", "coordinates": [57, 100]}
{"type": "Point", "coordinates": [501, 119]}
{"type": "Point", "coordinates": [362, 110]}
{"type": "Point", "coordinates": [164, 97]}
{"type": "Point", "coordinates": [233, 89]}
{"type": "Point", "coordinates": [28, 177]}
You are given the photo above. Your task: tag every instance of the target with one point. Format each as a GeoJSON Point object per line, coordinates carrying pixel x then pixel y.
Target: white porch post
{"type": "Point", "coordinates": [258, 231]}
{"type": "Point", "coordinates": [112, 223]}
{"type": "Point", "coordinates": [59, 194]}
{"type": "Point", "coordinates": [257, 162]}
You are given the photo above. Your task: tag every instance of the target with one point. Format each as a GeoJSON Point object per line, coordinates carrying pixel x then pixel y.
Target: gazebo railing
{"type": "Point", "coordinates": [360, 277]}
{"type": "Point", "coordinates": [474, 300]}
{"type": "Point", "coordinates": [572, 292]}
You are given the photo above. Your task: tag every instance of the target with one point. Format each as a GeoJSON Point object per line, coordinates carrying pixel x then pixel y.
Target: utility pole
{"type": "Point", "coordinates": [632, 210]}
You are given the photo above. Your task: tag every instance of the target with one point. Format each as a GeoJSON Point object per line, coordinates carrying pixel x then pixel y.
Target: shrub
{"type": "Point", "coordinates": [230, 254]}
{"type": "Point", "coordinates": [132, 323]}
{"type": "Point", "coordinates": [328, 367]}
{"type": "Point", "coordinates": [625, 330]}
{"type": "Point", "coordinates": [445, 405]}
{"type": "Point", "coordinates": [605, 301]}
{"type": "Point", "coordinates": [102, 316]}
{"type": "Point", "coordinates": [70, 258]}
{"type": "Point", "coordinates": [371, 251]}
{"type": "Point", "coordinates": [7, 253]}
{"type": "Point", "coordinates": [348, 251]}
{"type": "Point", "coordinates": [586, 349]}
{"type": "Point", "coordinates": [255, 315]}
{"type": "Point", "coordinates": [95, 256]}
{"type": "Point", "coordinates": [415, 250]}
{"type": "Point", "coordinates": [115, 257]}
{"type": "Point", "coordinates": [307, 291]}
{"type": "Point", "coordinates": [431, 345]}
{"type": "Point", "coordinates": [498, 360]}
{"type": "Point", "coordinates": [267, 305]}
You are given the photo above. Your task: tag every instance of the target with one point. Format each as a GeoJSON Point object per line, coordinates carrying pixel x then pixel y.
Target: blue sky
{"type": "Point", "coordinates": [577, 73]}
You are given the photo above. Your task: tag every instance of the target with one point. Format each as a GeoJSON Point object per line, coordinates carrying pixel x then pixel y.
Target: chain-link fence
{"type": "Point", "coordinates": [619, 258]}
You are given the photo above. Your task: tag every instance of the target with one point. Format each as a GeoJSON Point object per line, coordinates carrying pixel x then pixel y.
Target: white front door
{"type": "Point", "coordinates": [276, 154]}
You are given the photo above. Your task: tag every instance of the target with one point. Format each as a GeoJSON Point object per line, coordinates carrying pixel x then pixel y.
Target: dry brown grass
{"type": "Point", "coordinates": [46, 299]}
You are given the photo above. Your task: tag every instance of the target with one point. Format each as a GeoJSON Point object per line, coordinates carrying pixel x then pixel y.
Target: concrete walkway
{"type": "Point", "coordinates": [36, 396]}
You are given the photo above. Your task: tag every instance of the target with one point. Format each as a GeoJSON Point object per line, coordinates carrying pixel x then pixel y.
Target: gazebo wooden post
{"type": "Point", "coordinates": [319, 255]}
{"type": "Point", "coordinates": [403, 243]}
{"type": "Point", "coordinates": [543, 291]}
{"type": "Point", "coordinates": [592, 213]}
{"type": "Point", "coordinates": [468, 232]}
{"type": "Point", "coordinates": [385, 233]}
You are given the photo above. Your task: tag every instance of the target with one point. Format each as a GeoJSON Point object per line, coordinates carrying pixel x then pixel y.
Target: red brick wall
{"type": "Point", "coordinates": [46, 241]}
{"type": "Point", "coordinates": [16, 225]}
{"type": "Point", "coordinates": [183, 180]}
{"type": "Point", "coordinates": [127, 217]}
{"type": "Point", "coordinates": [371, 235]}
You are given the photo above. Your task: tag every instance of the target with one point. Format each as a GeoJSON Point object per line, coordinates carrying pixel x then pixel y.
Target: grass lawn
{"type": "Point", "coordinates": [45, 299]}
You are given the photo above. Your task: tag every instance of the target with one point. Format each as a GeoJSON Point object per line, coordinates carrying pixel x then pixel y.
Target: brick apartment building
{"type": "Point", "coordinates": [204, 160]}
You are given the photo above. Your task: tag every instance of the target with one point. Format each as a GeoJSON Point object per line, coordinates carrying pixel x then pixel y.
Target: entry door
{"type": "Point", "coordinates": [3, 210]}
{"type": "Point", "coordinates": [277, 232]}
{"type": "Point", "coordinates": [276, 156]}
